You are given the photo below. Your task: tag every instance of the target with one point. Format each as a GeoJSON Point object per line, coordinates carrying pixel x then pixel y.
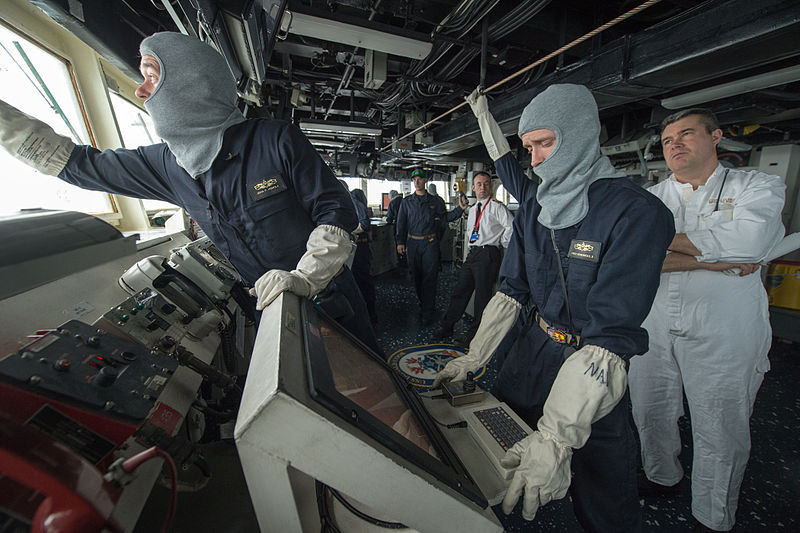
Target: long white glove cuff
{"type": "Point", "coordinates": [588, 386]}
{"type": "Point", "coordinates": [493, 138]}
{"type": "Point", "coordinates": [327, 250]}
{"type": "Point", "coordinates": [32, 141]}
{"type": "Point", "coordinates": [498, 317]}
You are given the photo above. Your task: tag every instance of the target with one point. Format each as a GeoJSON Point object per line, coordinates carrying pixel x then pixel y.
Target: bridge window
{"type": "Point", "coordinates": [136, 129]}
{"type": "Point", "coordinates": [40, 84]}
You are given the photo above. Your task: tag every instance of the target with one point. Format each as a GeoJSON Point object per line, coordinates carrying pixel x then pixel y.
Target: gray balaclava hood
{"type": "Point", "coordinates": [194, 101]}
{"type": "Point", "coordinates": [570, 112]}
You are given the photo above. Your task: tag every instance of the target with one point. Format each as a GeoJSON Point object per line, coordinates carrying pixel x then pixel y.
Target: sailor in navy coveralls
{"type": "Point", "coordinates": [421, 223]}
{"type": "Point", "coordinates": [578, 279]}
{"type": "Point", "coordinates": [256, 187]}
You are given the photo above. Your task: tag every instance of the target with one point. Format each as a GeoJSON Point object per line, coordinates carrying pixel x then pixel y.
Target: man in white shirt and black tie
{"type": "Point", "coordinates": [489, 227]}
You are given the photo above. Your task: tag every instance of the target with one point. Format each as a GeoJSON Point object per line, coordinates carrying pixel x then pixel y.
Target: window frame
{"type": "Point", "coordinates": [114, 214]}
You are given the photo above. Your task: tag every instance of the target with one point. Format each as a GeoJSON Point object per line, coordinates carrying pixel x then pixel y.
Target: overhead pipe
{"type": "Point", "coordinates": [538, 62]}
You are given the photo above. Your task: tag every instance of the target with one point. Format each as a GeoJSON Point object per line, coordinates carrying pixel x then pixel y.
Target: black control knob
{"type": "Point", "coordinates": [469, 384]}
{"type": "Point", "coordinates": [106, 377]}
{"type": "Point", "coordinates": [166, 342]}
{"type": "Point", "coordinates": [61, 365]}
{"type": "Point", "coordinates": [93, 341]}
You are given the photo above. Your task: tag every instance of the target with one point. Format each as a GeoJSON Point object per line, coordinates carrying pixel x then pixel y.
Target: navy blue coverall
{"type": "Point", "coordinates": [362, 262]}
{"type": "Point", "coordinates": [421, 223]}
{"type": "Point", "coordinates": [263, 195]}
{"type": "Point", "coordinates": [609, 298]}
{"type": "Point", "coordinates": [393, 209]}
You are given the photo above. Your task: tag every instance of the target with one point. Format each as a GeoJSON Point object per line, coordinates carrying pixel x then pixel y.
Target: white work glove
{"type": "Point", "coordinates": [32, 141]}
{"type": "Point", "coordinates": [327, 250]}
{"type": "Point", "coordinates": [588, 386]}
{"type": "Point", "coordinates": [493, 138]}
{"type": "Point", "coordinates": [499, 315]}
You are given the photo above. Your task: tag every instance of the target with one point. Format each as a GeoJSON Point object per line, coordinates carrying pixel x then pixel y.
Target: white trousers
{"type": "Point", "coordinates": [719, 362]}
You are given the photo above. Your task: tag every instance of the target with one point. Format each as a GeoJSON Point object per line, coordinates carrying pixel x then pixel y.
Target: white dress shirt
{"type": "Point", "coordinates": [495, 224]}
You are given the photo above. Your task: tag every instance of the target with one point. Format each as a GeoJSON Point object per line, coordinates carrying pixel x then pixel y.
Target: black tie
{"type": "Point", "coordinates": [477, 215]}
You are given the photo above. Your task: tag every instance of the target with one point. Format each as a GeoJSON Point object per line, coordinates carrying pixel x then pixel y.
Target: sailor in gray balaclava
{"type": "Point", "coordinates": [256, 187]}
{"type": "Point", "coordinates": [584, 261]}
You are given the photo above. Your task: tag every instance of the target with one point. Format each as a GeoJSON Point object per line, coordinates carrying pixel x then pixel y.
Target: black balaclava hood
{"type": "Point", "coordinates": [575, 163]}
{"type": "Point", "coordinates": [194, 101]}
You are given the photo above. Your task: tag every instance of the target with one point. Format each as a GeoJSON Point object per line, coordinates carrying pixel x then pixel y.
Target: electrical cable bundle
{"type": "Point", "coordinates": [462, 22]}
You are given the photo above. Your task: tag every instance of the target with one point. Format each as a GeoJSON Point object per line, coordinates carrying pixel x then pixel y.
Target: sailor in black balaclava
{"type": "Point", "coordinates": [255, 186]}
{"type": "Point", "coordinates": [580, 273]}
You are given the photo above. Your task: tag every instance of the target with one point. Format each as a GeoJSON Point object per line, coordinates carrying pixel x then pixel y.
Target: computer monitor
{"type": "Point", "coordinates": [320, 407]}
{"type": "Point", "coordinates": [358, 385]}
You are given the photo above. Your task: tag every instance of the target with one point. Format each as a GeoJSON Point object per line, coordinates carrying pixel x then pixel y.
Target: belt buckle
{"type": "Point", "coordinates": [557, 335]}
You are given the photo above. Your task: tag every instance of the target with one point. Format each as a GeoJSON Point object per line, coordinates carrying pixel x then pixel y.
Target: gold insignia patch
{"type": "Point", "coordinates": [265, 187]}
{"type": "Point", "coordinates": [585, 250]}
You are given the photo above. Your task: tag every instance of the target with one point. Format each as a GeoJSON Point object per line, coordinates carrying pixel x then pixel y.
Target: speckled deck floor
{"type": "Point", "coordinates": [771, 488]}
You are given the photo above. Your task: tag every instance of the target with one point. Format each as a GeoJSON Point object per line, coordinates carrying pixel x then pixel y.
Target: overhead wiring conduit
{"type": "Point", "coordinates": [536, 63]}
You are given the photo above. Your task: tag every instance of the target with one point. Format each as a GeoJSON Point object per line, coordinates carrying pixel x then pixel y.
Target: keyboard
{"type": "Point", "coordinates": [495, 428]}
{"type": "Point", "coordinates": [501, 426]}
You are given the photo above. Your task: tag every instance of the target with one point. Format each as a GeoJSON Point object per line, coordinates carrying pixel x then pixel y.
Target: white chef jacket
{"type": "Point", "coordinates": [745, 226]}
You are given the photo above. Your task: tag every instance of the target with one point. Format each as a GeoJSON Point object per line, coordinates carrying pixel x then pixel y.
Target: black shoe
{"type": "Point", "coordinates": [444, 332]}
{"type": "Point", "coordinates": [651, 489]}
{"type": "Point", "coordinates": [461, 342]}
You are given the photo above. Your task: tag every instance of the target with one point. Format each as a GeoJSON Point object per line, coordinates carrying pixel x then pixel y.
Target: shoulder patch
{"type": "Point", "coordinates": [261, 188]}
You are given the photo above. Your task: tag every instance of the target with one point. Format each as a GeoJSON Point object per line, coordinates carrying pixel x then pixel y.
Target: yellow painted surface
{"type": "Point", "coordinates": [783, 284]}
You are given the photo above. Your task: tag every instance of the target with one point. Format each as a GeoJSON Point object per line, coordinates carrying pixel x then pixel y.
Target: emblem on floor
{"type": "Point", "coordinates": [420, 364]}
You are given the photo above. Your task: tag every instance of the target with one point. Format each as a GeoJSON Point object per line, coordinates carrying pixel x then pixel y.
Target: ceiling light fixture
{"type": "Point", "coordinates": [733, 88]}
{"type": "Point", "coordinates": [734, 146]}
{"type": "Point", "coordinates": [324, 143]}
{"type": "Point", "coordinates": [339, 128]}
{"type": "Point", "coordinates": [339, 32]}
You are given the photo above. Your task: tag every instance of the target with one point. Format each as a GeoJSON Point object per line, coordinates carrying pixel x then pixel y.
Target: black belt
{"type": "Point", "coordinates": [472, 247]}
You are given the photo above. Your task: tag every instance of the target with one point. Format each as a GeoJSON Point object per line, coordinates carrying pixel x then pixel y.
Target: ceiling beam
{"type": "Point", "coordinates": [713, 40]}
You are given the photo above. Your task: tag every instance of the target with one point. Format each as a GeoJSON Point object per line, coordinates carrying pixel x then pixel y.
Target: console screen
{"type": "Point", "coordinates": [347, 378]}
{"type": "Point", "coordinates": [369, 385]}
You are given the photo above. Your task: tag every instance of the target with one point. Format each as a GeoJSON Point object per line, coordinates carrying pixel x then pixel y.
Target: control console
{"type": "Point", "coordinates": [147, 317]}
{"type": "Point", "coordinates": [85, 367]}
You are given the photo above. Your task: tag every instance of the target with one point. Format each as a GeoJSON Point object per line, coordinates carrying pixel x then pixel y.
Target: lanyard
{"type": "Point", "coordinates": [478, 218]}
{"type": "Point", "coordinates": [724, 177]}
{"type": "Point", "coordinates": [563, 285]}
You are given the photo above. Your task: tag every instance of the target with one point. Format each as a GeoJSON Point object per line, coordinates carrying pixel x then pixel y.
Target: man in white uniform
{"type": "Point", "coordinates": [709, 328]}
{"type": "Point", "coordinates": [489, 226]}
